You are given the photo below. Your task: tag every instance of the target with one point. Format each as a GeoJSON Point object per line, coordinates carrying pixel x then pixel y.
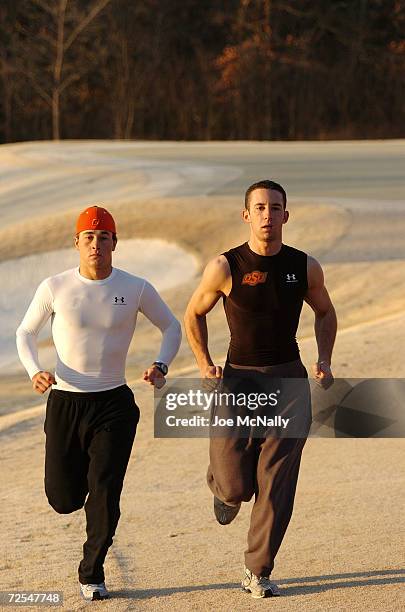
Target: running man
{"type": "Point", "coordinates": [263, 283]}
{"type": "Point", "coordinates": [91, 414]}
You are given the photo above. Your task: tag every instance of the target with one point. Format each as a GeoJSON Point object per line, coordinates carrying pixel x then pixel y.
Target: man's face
{"type": "Point", "coordinates": [266, 214]}
{"type": "Point", "coordinates": [95, 248]}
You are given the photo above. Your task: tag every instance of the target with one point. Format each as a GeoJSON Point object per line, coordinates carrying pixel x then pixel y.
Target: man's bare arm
{"type": "Point", "coordinates": [215, 283]}
{"type": "Point", "coordinates": [325, 321]}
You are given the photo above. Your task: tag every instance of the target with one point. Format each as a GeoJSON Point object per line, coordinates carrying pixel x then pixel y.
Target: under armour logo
{"type": "Point", "coordinates": [120, 300]}
{"type": "Point", "coordinates": [291, 278]}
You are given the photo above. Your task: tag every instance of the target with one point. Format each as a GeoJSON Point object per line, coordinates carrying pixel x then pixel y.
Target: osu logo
{"type": "Point", "coordinates": [254, 278]}
{"type": "Point", "coordinates": [95, 222]}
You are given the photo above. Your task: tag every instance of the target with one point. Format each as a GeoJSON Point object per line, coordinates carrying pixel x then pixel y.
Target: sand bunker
{"type": "Point", "coordinates": [342, 550]}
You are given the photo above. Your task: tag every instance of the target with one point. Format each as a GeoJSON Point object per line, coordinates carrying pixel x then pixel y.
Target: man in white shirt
{"type": "Point", "coordinates": [91, 415]}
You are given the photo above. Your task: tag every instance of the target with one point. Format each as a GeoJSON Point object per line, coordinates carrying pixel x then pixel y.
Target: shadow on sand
{"type": "Point", "coordinates": [300, 586]}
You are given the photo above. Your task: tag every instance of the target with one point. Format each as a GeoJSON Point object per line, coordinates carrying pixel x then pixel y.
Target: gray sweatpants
{"type": "Point", "coordinates": [266, 467]}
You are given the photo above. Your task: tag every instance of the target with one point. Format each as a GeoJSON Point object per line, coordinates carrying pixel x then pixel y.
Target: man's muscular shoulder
{"type": "Point", "coordinates": [217, 274]}
{"type": "Point", "coordinates": [314, 273]}
{"type": "Point", "coordinates": [129, 278]}
{"type": "Point", "coordinates": [219, 265]}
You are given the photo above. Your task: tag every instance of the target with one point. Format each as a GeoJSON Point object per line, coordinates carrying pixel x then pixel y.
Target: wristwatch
{"type": "Point", "coordinates": [162, 367]}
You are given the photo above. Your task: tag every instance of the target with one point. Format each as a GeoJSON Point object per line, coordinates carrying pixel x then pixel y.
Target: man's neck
{"type": "Point", "coordinates": [265, 248]}
{"type": "Point", "coordinates": [93, 274]}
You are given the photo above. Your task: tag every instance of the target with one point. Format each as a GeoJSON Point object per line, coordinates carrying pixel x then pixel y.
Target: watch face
{"type": "Point", "coordinates": [162, 367]}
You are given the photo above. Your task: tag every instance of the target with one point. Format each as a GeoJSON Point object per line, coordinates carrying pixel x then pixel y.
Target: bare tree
{"type": "Point", "coordinates": [57, 42]}
{"type": "Point", "coordinates": [236, 69]}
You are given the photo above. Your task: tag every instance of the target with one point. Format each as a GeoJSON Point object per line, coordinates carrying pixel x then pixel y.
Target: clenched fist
{"type": "Point", "coordinates": [323, 374]}
{"type": "Point", "coordinates": [212, 372]}
{"type": "Point", "coordinates": [154, 377]}
{"type": "Point", "coordinates": [41, 381]}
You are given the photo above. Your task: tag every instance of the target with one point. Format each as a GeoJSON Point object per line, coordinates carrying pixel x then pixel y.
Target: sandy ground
{"type": "Point", "coordinates": [344, 547]}
{"type": "Point", "coordinates": [342, 550]}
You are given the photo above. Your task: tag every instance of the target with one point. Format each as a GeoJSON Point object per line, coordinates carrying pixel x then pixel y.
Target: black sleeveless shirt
{"type": "Point", "coordinates": [264, 305]}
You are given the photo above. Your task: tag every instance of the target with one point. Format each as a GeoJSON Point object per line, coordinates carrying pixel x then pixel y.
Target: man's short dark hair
{"type": "Point", "coordinates": [266, 184]}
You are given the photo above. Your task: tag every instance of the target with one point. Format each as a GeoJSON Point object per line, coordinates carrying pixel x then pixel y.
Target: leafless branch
{"type": "Point", "coordinates": [48, 8]}
{"type": "Point", "coordinates": [97, 8]}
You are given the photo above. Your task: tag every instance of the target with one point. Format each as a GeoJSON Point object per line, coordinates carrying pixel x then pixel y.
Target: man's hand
{"type": "Point", "coordinates": [41, 381]}
{"type": "Point", "coordinates": [154, 377]}
{"type": "Point", "coordinates": [212, 372]}
{"type": "Point", "coordinates": [323, 374]}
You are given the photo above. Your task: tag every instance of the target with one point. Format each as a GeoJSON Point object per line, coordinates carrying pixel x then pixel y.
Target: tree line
{"type": "Point", "coordinates": [201, 70]}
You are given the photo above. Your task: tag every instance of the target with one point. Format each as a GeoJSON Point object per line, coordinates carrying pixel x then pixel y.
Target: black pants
{"type": "Point", "coordinates": [89, 438]}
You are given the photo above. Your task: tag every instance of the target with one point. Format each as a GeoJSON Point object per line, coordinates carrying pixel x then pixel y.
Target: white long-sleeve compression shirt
{"type": "Point", "coordinates": [93, 322]}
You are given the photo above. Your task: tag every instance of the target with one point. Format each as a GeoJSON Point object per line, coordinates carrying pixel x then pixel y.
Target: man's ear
{"type": "Point", "coordinates": [76, 242]}
{"type": "Point", "coordinates": [114, 243]}
{"type": "Point", "coordinates": [246, 215]}
{"type": "Point", "coordinates": [286, 216]}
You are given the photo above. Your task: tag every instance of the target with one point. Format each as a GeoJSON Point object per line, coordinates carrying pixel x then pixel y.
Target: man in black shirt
{"type": "Point", "coordinates": [263, 284]}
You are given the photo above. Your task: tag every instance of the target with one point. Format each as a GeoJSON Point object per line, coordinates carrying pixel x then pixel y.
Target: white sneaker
{"type": "Point", "coordinates": [259, 586]}
{"type": "Point", "coordinates": [94, 592]}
